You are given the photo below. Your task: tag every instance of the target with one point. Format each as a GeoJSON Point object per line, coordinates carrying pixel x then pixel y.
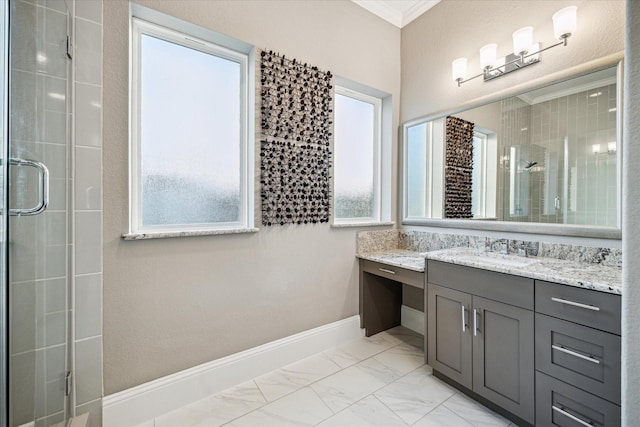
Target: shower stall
{"type": "Point", "coordinates": [38, 217]}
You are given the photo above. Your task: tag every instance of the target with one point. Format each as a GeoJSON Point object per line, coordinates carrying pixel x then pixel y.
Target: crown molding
{"type": "Point", "coordinates": [392, 12]}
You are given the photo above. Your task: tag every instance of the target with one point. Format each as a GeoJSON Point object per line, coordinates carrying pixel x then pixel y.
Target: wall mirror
{"type": "Point", "coordinates": [546, 161]}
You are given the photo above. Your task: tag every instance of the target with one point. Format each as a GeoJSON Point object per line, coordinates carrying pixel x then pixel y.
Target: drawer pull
{"type": "Point", "coordinates": [575, 304]}
{"type": "Point", "coordinates": [464, 320]}
{"type": "Point", "coordinates": [573, 417]}
{"type": "Point", "coordinates": [576, 354]}
{"type": "Point", "coordinates": [386, 270]}
{"type": "Point", "coordinates": [475, 323]}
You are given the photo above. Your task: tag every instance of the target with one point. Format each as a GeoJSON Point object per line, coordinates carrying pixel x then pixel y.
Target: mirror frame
{"type": "Point", "coordinates": [576, 230]}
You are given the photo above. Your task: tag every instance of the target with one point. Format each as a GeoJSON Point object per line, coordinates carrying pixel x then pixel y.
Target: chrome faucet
{"type": "Point", "coordinates": [497, 245]}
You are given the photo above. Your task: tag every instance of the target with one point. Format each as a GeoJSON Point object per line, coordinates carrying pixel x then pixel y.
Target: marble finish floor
{"type": "Point", "coordinates": [377, 381]}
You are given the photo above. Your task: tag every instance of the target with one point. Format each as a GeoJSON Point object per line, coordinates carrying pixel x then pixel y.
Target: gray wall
{"type": "Point", "coordinates": [170, 304]}
{"type": "Point", "coordinates": [631, 221]}
{"type": "Point", "coordinates": [458, 28]}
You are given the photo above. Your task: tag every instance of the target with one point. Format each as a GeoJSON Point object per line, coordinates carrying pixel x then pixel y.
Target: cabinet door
{"type": "Point", "coordinates": [449, 335]}
{"type": "Point", "coordinates": [503, 356]}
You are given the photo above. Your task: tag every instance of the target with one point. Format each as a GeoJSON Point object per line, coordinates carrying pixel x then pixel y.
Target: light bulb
{"type": "Point", "coordinates": [522, 40]}
{"type": "Point", "coordinates": [488, 54]}
{"type": "Point", "coordinates": [565, 22]}
{"type": "Point", "coordinates": [459, 69]}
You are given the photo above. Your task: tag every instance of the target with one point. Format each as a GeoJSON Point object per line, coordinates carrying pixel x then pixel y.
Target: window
{"type": "Point", "coordinates": [357, 149]}
{"type": "Point", "coordinates": [189, 133]}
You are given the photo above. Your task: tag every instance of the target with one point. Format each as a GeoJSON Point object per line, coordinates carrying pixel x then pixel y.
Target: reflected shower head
{"type": "Point", "coordinates": [528, 164]}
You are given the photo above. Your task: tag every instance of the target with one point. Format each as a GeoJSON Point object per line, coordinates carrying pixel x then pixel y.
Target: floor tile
{"type": "Point", "coordinates": [358, 350]}
{"type": "Point", "coordinates": [216, 410]}
{"type": "Point", "coordinates": [475, 413]}
{"type": "Point", "coordinates": [346, 387]}
{"type": "Point", "coordinates": [300, 408]}
{"type": "Point", "coordinates": [442, 417]}
{"type": "Point", "coordinates": [402, 358]}
{"type": "Point", "coordinates": [367, 412]}
{"type": "Point", "coordinates": [374, 381]}
{"type": "Point", "coordinates": [414, 395]}
{"type": "Point", "coordinates": [295, 376]}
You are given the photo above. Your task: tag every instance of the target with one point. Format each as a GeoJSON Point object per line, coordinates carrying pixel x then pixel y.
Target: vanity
{"type": "Point", "coordinates": [384, 278]}
{"type": "Point", "coordinates": [536, 339]}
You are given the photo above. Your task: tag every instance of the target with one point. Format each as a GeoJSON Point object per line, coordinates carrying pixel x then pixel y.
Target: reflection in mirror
{"type": "Point", "coordinates": [546, 156]}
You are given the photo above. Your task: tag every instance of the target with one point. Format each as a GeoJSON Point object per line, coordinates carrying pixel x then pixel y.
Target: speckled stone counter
{"type": "Point", "coordinates": [595, 276]}
{"type": "Point", "coordinates": [410, 260]}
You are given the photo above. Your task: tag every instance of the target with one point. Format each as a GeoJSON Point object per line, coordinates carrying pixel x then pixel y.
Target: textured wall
{"type": "Point", "coordinates": [631, 221]}
{"type": "Point", "coordinates": [458, 28]}
{"type": "Point", "coordinates": [170, 304]}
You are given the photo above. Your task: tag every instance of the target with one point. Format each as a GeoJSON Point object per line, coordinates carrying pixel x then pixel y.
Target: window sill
{"type": "Point", "coordinates": [361, 224]}
{"type": "Point", "coordinates": [169, 234]}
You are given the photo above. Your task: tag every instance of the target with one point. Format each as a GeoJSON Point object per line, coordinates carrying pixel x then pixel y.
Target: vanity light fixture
{"type": "Point", "coordinates": [525, 51]}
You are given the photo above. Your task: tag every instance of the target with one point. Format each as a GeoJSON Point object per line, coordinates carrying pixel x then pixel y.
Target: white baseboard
{"type": "Point", "coordinates": [413, 319]}
{"type": "Point", "coordinates": [136, 405]}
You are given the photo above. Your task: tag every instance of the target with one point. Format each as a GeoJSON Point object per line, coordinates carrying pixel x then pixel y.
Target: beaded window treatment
{"type": "Point", "coordinates": [458, 168]}
{"type": "Point", "coordinates": [295, 150]}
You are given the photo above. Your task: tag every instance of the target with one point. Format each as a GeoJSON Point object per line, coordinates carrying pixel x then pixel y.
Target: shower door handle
{"type": "Point", "coordinates": [43, 187]}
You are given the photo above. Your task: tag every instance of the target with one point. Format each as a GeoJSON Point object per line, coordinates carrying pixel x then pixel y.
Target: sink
{"type": "Point", "coordinates": [498, 259]}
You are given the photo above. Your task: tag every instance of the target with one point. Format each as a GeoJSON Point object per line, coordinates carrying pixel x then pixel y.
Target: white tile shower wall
{"type": "Point", "coordinates": [87, 208]}
{"type": "Point", "coordinates": [39, 244]}
{"type": "Point", "coordinates": [587, 122]}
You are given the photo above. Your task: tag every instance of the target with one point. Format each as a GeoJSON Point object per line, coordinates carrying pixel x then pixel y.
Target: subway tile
{"type": "Point", "coordinates": [23, 35]}
{"type": "Point", "coordinates": [56, 328]}
{"type": "Point", "coordinates": [88, 52]}
{"type": "Point", "coordinates": [54, 293]}
{"type": "Point", "coordinates": [95, 412]}
{"type": "Point", "coordinates": [88, 247]}
{"type": "Point", "coordinates": [55, 94]}
{"type": "Point", "coordinates": [88, 115]}
{"type": "Point", "coordinates": [24, 317]}
{"type": "Point", "coordinates": [55, 25]}
{"type": "Point", "coordinates": [55, 396]}
{"type": "Point", "coordinates": [88, 306]}
{"type": "Point", "coordinates": [59, 5]}
{"type": "Point", "coordinates": [88, 370]}
{"type": "Point", "coordinates": [90, 9]}
{"type": "Point", "coordinates": [55, 128]}
{"type": "Point", "coordinates": [88, 181]}
{"type": "Point", "coordinates": [23, 403]}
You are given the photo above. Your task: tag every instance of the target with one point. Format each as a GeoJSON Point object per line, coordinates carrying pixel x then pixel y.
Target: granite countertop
{"type": "Point", "coordinates": [580, 274]}
{"type": "Point", "coordinates": [411, 260]}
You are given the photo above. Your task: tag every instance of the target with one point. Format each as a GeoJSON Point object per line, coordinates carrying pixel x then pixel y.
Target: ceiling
{"type": "Point", "coordinates": [397, 12]}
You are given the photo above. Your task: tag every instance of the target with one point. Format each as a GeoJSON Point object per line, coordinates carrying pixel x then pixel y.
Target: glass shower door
{"type": "Point", "coordinates": [37, 263]}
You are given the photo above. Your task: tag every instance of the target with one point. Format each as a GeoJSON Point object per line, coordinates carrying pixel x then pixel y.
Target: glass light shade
{"type": "Point", "coordinates": [459, 69]}
{"type": "Point", "coordinates": [522, 40]}
{"type": "Point", "coordinates": [488, 54]}
{"type": "Point", "coordinates": [534, 48]}
{"type": "Point", "coordinates": [565, 22]}
{"type": "Point", "coordinates": [595, 148]}
{"type": "Point", "coordinates": [611, 147]}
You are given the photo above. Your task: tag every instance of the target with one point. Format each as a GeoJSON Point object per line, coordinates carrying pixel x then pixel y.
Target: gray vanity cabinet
{"type": "Point", "coordinates": [577, 356]}
{"type": "Point", "coordinates": [483, 343]}
{"type": "Point", "coordinates": [449, 336]}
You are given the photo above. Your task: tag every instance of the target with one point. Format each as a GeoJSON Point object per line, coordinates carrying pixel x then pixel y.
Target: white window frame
{"type": "Point", "coordinates": [377, 158]}
{"type": "Point", "coordinates": [484, 141]}
{"type": "Point", "coordinates": [191, 40]}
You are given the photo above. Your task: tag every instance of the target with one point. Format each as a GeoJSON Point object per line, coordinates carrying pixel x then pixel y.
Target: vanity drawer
{"type": "Point", "coordinates": [402, 275]}
{"type": "Point", "coordinates": [584, 357]}
{"type": "Point", "coordinates": [560, 404]}
{"type": "Point", "coordinates": [506, 288]}
{"type": "Point", "coordinates": [599, 310]}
